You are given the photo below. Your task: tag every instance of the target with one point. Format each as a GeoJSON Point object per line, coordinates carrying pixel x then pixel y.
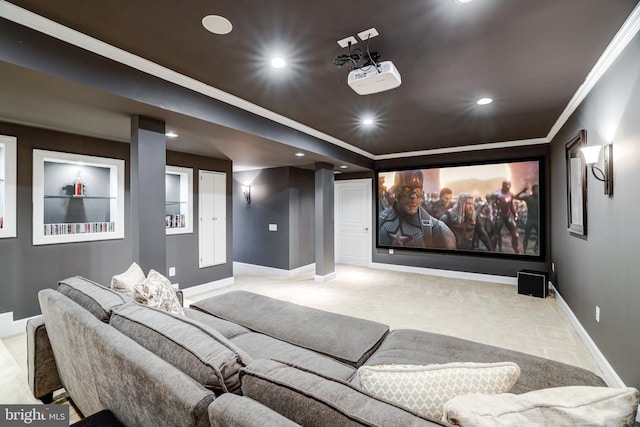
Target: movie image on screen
{"type": "Point", "coordinates": [486, 209]}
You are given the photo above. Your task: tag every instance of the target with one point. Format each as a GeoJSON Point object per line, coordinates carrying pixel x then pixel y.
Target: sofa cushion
{"type": "Point", "coordinates": [260, 346]}
{"type": "Point", "coordinates": [127, 280]}
{"type": "Point", "coordinates": [102, 368]}
{"type": "Point", "coordinates": [156, 291]}
{"type": "Point", "coordinates": [561, 406]}
{"type": "Point", "coordinates": [97, 299]}
{"type": "Point", "coordinates": [226, 328]}
{"type": "Point", "coordinates": [348, 339]}
{"type": "Point", "coordinates": [194, 348]}
{"type": "Point", "coordinates": [412, 347]}
{"type": "Point", "coordinates": [425, 389]}
{"type": "Point", "coordinates": [311, 399]}
{"type": "Point", "coordinates": [239, 411]}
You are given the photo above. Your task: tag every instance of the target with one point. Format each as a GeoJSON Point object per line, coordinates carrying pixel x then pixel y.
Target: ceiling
{"type": "Point", "coordinates": [529, 56]}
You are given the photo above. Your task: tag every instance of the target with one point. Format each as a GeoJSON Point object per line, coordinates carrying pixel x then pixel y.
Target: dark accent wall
{"type": "Point", "coordinates": [602, 269]}
{"type": "Point", "coordinates": [282, 196]}
{"type": "Point", "coordinates": [182, 249]}
{"type": "Point", "coordinates": [25, 269]}
{"type": "Point", "coordinates": [467, 263]}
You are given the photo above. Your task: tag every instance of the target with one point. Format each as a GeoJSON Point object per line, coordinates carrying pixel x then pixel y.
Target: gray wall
{"type": "Point", "coordinates": [25, 269]}
{"type": "Point", "coordinates": [282, 196]}
{"type": "Point", "coordinates": [602, 269]}
{"type": "Point", "coordinates": [471, 264]}
{"type": "Point", "coordinates": [182, 249]}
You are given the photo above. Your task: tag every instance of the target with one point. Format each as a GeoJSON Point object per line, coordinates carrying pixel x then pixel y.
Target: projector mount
{"type": "Point", "coordinates": [357, 59]}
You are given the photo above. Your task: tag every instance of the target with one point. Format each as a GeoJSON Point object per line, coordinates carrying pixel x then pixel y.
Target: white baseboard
{"type": "Point", "coordinates": [609, 374]}
{"type": "Point", "coordinates": [260, 270]}
{"type": "Point", "coordinates": [324, 279]}
{"type": "Point", "coordinates": [447, 273]}
{"type": "Point", "coordinates": [206, 287]}
{"type": "Point", "coordinates": [10, 327]}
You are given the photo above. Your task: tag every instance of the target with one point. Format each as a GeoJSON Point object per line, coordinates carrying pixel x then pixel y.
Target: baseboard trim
{"type": "Point", "coordinates": [206, 287]}
{"type": "Point", "coordinates": [324, 279]}
{"type": "Point", "coordinates": [609, 374]}
{"type": "Point", "coordinates": [447, 273]}
{"type": "Point", "coordinates": [260, 270]}
{"type": "Point", "coordinates": [10, 327]}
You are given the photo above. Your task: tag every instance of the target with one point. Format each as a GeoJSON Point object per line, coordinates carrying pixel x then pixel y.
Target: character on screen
{"type": "Point", "coordinates": [505, 214]}
{"type": "Point", "coordinates": [463, 221]}
{"type": "Point", "coordinates": [440, 206]}
{"type": "Point", "coordinates": [406, 223]}
{"type": "Point", "coordinates": [532, 215]}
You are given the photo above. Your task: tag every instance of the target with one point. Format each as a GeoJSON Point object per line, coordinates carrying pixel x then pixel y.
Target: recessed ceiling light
{"type": "Point", "coordinates": [463, 1]}
{"type": "Point", "coordinates": [171, 134]}
{"type": "Point", "coordinates": [300, 154]}
{"type": "Point", "coordinates": [343, 166]}
{"type": "Point", "coordinates": [278, 62]}
{"type": "Point", "coordinates": [217, 24]}
{"type": "Point", "coordinates": [484, 101]}
{"type": "Point", "coordinates": [367, 121]}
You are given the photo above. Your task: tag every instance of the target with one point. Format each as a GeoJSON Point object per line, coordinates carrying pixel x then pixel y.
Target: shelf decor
{"type": "Point", "coordinates": [178, 200]}
{"type": "Point", "coordinates": [8, 147]}
{"type": "Point", "coordinates": [76, 198]}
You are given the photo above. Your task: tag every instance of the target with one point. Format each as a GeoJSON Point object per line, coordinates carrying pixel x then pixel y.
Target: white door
{"type": "Point", "coordinates": [353, 221]}
{"type": "Point", "coordinates": [212, 212]}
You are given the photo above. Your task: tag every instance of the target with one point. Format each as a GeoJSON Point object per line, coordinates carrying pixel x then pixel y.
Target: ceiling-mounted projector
{"type": "Point", "coordinates": [368, 80]}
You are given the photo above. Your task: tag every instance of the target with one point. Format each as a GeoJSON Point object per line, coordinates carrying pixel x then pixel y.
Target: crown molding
{"type": "Point", "coordinates": [622, 38]}
{"type": "Point", "coordinates": [43, 25]}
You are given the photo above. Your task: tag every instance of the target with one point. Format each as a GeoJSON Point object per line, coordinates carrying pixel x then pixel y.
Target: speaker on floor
{"type": "Point", "coordinates": [533, 283]}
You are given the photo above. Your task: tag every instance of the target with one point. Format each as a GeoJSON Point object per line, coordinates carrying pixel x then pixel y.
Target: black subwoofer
{"type": "Point", "coordinates": [533, 283]}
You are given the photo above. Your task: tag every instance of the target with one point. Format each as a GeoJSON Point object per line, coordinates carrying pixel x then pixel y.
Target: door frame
{"type": "Point", "coordinates": [367, 184]}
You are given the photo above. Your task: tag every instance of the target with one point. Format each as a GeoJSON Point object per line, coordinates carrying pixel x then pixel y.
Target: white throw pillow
{"type": "Point", "coordinates": [559, 406]}
{"type": "Point", "coordinates": [125, 282]}
{"type": "Point", "coordinates": [156, 291]}
{"type": "Point", "coordinates": [425, 389]}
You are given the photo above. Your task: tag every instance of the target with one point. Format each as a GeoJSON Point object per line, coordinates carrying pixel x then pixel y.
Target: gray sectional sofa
{"type": "Point", "coordinates": [238, 359]}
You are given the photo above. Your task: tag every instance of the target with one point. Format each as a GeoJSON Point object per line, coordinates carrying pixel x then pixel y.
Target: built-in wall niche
{"type": "Point", "coordinates": [7, 186]}
{"type": "Point", "coordinates": [178, 200]}
{"type": "Point", "coordinates": [76, 198]}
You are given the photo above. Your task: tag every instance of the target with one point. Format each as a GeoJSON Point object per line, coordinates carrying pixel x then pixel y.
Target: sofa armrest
{"type": "Point", "coordinates": [180, 296]}
{"type": "Point", "coordinates": [231, 410]}
{"type": "Point", "coordinates": [41, 364]}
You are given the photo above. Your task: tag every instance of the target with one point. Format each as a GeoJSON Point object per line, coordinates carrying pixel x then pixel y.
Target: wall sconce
{"type": "Point", "coordinates": [591, 154]}
{"type": "Point", "coordinates": [246, 192]}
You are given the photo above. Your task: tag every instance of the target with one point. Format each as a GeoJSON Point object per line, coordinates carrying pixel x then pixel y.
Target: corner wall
{"type": "Point", "coordinates": [279, 196]}
{"type": "Point", "coordinates": [602, 269]}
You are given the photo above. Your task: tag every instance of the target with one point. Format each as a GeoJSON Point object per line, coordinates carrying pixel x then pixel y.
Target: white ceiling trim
{"type": "Point", "coordinates": [622, 38]}
{"type": "Point", "coordinates": [46, 26]}
{"type": "Point", "coordinates": [489, 146]}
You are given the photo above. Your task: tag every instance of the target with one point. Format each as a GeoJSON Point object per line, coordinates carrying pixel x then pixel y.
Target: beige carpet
{"type": "Point", "coordinates": [479, 311]}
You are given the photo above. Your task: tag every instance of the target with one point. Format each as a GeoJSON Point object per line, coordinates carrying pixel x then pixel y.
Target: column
{"type": "Point", "coordinates": [324, 211]}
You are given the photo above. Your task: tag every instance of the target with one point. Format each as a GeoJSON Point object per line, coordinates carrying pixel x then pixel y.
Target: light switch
{"type": "Point", "coordinates": [273, 227]}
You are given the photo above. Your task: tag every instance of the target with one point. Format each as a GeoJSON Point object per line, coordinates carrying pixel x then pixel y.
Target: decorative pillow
{"type": "Point", "coordinates": [125, 282]}
{"type": "Point", "coordinates": [156, 291]}
{"type": "Point", "coordinates": [559, 406]}
{"type": "Point", "coordinates": [425, 389]}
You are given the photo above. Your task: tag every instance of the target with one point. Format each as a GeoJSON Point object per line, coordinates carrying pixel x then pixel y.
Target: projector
{"type": "Point", "coordinates": [368, 80]}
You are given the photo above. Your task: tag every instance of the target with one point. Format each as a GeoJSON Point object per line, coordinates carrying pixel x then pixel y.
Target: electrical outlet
{"type": "Point", "coordinates": [390, 251]}
{"type": "Point", "coordinates": [597, 314]}
{"type": "Point", "coordinates": [172, 271]}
